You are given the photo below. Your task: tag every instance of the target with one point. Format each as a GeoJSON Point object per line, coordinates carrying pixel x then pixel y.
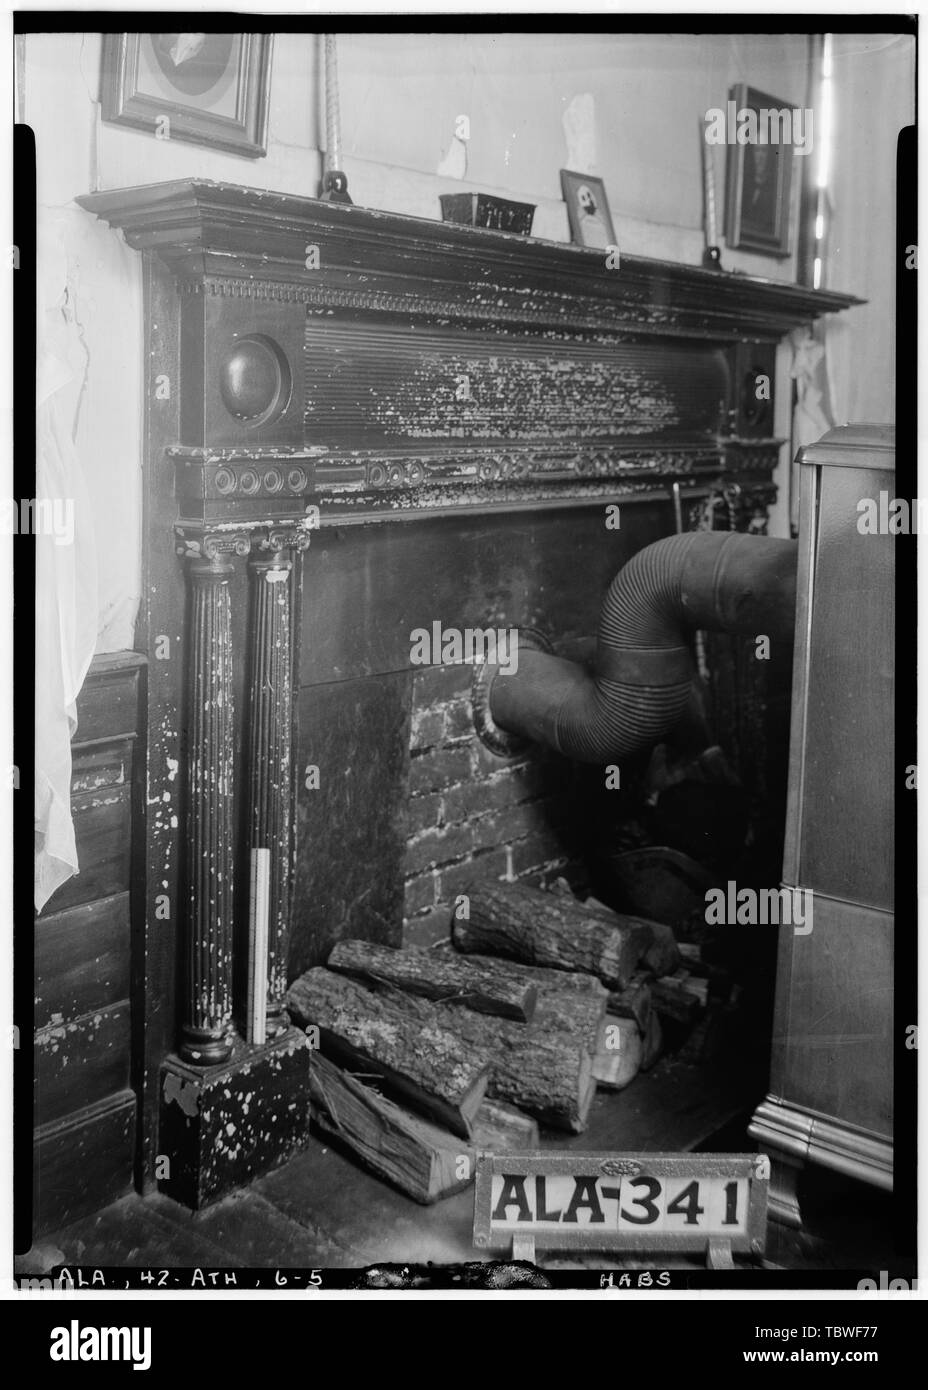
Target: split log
{"type": "Point", "coordinates": [439, 975]}
{"type": "Point", "coordinates": [634, 1001]}
{"type": "Point", "coordinates": [663, 955]}
{"type": "Point", "coordinates": [407, 1042]}
{"type": "Point", "coordinates": [501, 1128]}
{"type": "Point", "coordinates": [618, 1057]}
{"type": "Point", "coordinates": [544, 1067]}
{"type": "Point", "coordinates": [576, 1012]}
{"type": "Point", "coordinates": [522, 923]}
{"type": "Point", "coordinates": [423, 1161]}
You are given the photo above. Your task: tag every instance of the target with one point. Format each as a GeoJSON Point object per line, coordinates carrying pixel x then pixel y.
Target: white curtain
{"type": "Point", "coordinates": [66, 579]}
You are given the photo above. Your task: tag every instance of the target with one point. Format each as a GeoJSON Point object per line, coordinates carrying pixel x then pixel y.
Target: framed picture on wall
{"type": "Point", "coordinates": [209, 89]}
{"type": "Point", "coordinates": [758, 177]}
{"type": "Point", "coordinates": [587, 209]}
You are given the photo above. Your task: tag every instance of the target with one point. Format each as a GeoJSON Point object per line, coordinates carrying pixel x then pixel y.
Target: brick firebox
{"type": "Point", "coordinates": [470, 814]}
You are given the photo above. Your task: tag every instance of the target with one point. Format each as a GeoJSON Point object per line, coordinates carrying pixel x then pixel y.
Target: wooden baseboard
{"type": "Point", "coordinates": [809, 1137]}
{"type": "Point", "coordinates": [82, 1162]}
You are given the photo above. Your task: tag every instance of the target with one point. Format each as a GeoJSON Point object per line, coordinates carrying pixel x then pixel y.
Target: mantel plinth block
{"type": "Point", "coordinates": [222, 1125]}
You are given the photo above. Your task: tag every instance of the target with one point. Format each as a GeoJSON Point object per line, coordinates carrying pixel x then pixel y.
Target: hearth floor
{"type": "Point", "coordinates": [321, 1210]}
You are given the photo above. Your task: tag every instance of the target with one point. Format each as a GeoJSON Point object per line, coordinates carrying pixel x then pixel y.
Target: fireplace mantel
{"type": "Point", "coordinates": [381, 366]}
{"type": "Point", "coordinates": [317, 365]}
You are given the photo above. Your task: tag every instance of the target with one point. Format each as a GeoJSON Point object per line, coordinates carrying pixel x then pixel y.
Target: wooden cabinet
{"type": "Point", "coordinates": [831, 1089]}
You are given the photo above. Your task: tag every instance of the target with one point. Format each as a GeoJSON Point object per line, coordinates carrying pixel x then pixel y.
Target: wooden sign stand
{"type": "Point", "coordinates": [718, 1252]}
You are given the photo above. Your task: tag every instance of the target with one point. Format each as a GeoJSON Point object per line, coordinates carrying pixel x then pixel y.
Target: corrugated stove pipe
{"type": "Point", "coordinates": [640, 681]}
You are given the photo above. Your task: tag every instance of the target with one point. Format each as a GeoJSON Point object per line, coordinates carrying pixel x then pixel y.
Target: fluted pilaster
{"type": "Point", "coordinates": [206, 1022]}
{"type": "Point", "coordinates": [270, 780]}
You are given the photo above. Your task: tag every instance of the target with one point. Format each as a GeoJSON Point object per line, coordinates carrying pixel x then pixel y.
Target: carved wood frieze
{"type": "Point", "coordinates": [225, 484]}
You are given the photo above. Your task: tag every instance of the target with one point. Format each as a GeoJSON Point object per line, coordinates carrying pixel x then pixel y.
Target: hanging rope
{"type": "Point", "coordinates": [332, 121]}
{"type": "Point", "coordinates": [334, 182]}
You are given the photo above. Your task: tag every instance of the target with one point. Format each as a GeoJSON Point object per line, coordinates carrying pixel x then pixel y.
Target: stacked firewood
{"type": "Point", "coordinates": [426, 1056]}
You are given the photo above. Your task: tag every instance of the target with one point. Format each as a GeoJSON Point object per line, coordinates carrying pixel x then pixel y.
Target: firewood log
{"type": "Point", "coordinates": [679, 996]}
{"type": "Point", "coordinates": [544, 1067]}
{"type": "Point", "coordinates": [547, 980]}
{"type": "Point", "coordinates": [501, 1128]}
{"type": "Point", "coordinates": [410, 1044]}
{"type": "Point", "coordinates": [440, 975]}
{"type": "Point", "coordinates": [618, 1056]}
{"type": "Point", "coordinates": [522, 923]}
{"type": "Point", "coordinates": [634, 1001]}
{"type": "Point", "coordinates": [416, 1156]}
{"type": "Point", "coordinates": [663, 955]}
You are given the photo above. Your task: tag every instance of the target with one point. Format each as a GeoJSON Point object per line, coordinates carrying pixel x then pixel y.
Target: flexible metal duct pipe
{"type": "Point", "coordinates": [642, 672]}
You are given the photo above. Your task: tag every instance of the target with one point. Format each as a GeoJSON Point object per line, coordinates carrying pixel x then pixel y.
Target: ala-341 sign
{"type": "Point", "coordinates": [710, 1203]}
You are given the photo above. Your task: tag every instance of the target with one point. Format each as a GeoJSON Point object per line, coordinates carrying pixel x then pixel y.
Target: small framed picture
{"type": "Point", "coordinates": [210, 89]}
{"type": "Point", "coordinates": [758, 176]}
{"type": "Point", "coordinates": [587, 210]}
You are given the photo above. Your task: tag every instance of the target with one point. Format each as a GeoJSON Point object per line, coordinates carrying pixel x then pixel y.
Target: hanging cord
{"type": "Point", "coordinates": [334, 182]}
{"type": "Point", "coordinates": [332, 121]}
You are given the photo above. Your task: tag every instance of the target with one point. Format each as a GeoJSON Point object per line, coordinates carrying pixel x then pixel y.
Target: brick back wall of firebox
{"type": "Point", "coordinates": [470, 814]}
{"type": "Point", "coordinates": [409, 804]}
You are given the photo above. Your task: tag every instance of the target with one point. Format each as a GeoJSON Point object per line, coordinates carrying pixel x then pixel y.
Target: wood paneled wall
{"type": "Point", "coordinates": [85, 1101]}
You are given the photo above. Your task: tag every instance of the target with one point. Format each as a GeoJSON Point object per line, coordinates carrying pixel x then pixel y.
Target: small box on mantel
{"type": "Point", "coordinates": [485, 210]}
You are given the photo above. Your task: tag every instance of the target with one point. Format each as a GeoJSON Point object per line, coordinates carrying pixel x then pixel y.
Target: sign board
{"type": "Point", "coordinates": [684, 1202]}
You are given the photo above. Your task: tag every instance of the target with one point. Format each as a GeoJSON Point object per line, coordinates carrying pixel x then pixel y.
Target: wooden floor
{"type": "Point", "coordinates": [321, 1210]}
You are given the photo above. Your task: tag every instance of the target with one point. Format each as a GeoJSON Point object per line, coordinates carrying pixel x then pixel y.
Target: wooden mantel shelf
{"type": "Point", "coordinates": [203, 228]}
